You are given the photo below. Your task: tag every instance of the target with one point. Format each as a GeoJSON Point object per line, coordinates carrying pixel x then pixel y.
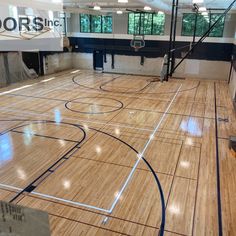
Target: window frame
{"type": "Point", "coordinates": [209, 25]}
{"type": "Point", "coordinates": [152, 20]}
{"type": "Point", "coordinates": [101, 22]}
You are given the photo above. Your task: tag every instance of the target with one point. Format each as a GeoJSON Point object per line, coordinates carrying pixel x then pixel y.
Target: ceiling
{"type": "Point", "coordinates": [163, 5]}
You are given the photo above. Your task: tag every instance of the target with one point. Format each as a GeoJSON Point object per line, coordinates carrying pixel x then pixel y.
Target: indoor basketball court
{"type": "Point", "coordinates": [130, 129]}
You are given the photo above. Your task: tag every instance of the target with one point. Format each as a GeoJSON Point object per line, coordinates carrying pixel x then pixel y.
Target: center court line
{"type": "Point", "coordinates": [140, 155]}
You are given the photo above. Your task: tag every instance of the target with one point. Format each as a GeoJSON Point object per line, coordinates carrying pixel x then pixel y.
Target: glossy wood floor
{"type": "Point", "coordinates": [70, 144]}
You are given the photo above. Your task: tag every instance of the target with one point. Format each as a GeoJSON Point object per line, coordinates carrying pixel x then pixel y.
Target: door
{"type": "Point", "coordinates": [98, 60]}
{"type": "Point", "coordinates": [31, 59]}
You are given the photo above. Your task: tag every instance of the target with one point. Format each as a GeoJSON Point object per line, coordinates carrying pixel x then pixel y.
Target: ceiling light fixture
{"type": "Point", "coordinates": [202, 9]}
{"type": "Point", "coordinates": [205, 13]}
{"type": "Point", "coordinates": [119, 12]}
{"type": "Point", "coordinates": [123, 1]}
{"type": "Point", "coordinates": [161, 13]}
{"type": "Point", "coordinates": [147, 8]}
{"type": "Point", "coordinates": [97, 8]}
{"type": "Point", "coordinates": [198, 1]}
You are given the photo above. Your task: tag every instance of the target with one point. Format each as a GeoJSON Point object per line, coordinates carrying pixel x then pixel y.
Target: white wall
{"type": "Point", "coordinates": [82, 60]}
{"type": "Point", "coordinates": [57, 62]}
{"type": "Point", "coordinates": [131, 65]}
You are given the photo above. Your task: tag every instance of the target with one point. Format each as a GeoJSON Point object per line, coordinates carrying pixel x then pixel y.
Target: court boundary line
{"type": "Point", "coordinates": [217, 159]}
{"type": "Point", "coordinates": [140, 155]}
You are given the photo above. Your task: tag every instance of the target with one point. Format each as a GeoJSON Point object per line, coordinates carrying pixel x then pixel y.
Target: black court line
{"type": "Point", "coordinates": [172, 182]}
{"type": "Point", "coordinates": [44, 98]}
{"type": "Point", "coordinates": [96, 104]}
{"type": "Point", "coordinates": [94, 113]}
{"type": "Point", "coordinates": [138, 168]}
{"type": "Point", "coordinates": [223, 138]}
{"type": "Point", "coordinates": [156, 139]}
{"type": "Point", "coordinates": [137, 91]}
{"type": "Point", "coordinates": [13, 129]}
{"type": "Point", "coordinates": [168, 113]}
{"type": "Point", "coordinates": [87, 87]}
{"type": "Point", "coordinates": [162, 227]}
{"type": "Point", "coordinates": [9, 129]}
{"type": "Point", "coordinates": [171, 131]}
{"type": "Point", "coordinates": [196, 193]}
{"type": "Point", "coordinates": [31, 186]}
{"type": "Point", "coordinates": [161, 138]}
{"type": "Point", "coordinates": [90, 225]}
{"type": "Point", "coordinates": [44, 136]}
{"type": "Point", "coordinates": [102, 214]}
{"type": "Point", "coordinates": [220, 223]}
{"type": "Point", "coordinates": [102, 105]}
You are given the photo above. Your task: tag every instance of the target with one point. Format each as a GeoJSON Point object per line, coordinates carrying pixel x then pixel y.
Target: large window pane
{"type": "Point", "coordinates": [137, 23]}
{"type": "Point", "coordinates": [96, 24]}
{"type": "Point", "coordinates": [107, 24]}
{"type": "Point", "coordinates": [203, 24]}
{"type": "Point", "coordinates": [188, 24]}
{"type": "Point", "coordinates": [146, 23]}
{"type": "Point", "coordinates": [84, 23]}
{"type": "Point", "coordinates": [218, 30]}
{"type": "Point", "coordinates": [158, 24]}
{"type": "Point", "coordinates": [131, 23]}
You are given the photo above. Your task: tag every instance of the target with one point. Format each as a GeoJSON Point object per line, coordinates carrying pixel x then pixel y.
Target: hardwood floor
{"type": "Point", "coordinates": [70, 144]}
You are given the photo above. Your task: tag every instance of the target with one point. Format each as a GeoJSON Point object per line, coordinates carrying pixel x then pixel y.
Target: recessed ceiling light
{"type": "Point", "coordinates": [202, 9]}
{"type": "Point", "coordinates": [198, 1]}
{"type": "Point", "coordinates": [147, 8]}
{"type": "Point", "coordinates": [205, 13]}
{"type": "Point", "coordinates": [119, 12]}
{"type": "Point", "coordinates": [123, 1]}
{"type": "Point", "coordinates": [97, 8]}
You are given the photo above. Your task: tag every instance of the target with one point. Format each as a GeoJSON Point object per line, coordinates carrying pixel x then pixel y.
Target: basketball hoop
{"type": "Point", "coordinates": [137, 43]}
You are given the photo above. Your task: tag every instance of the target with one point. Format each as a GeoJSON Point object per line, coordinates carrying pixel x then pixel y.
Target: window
{"type": "Point", "coordinates": [158, 24]}
{"type": "Point", "coordinates": [85, 23]}
{"type": "Point", "coordinates": [95, 24]}
{"type": "Point", "coordinates": [203, 24]}
{"type": "Point", "coordinates": [218, 30]}
{"type": "Point", "coordinates": [146, 23]}
{"type": "Point", "coordinates": [107, 24]}
{"type": "Point", "coordinates": [63, 24]}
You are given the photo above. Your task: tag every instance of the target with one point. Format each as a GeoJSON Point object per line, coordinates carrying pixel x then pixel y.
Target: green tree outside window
{"type": "Point", "coordinates": [85, 23]}
{"type": "Point", "coordinates": [146, 23]}
{"type": "Point", "coordinates": [158, 24]}
{"type": "Point", "coordinates": [203, 24]}
{"type": "Point", "coordinates": [107, 24]}
{"type": "Point", "coordinates": [95, 24]}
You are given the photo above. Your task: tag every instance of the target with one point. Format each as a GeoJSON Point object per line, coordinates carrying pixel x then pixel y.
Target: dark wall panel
{"type": "Point", "coordinates": [205, 51]}
{"type": "Point", "coordinates": [234, 55]}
